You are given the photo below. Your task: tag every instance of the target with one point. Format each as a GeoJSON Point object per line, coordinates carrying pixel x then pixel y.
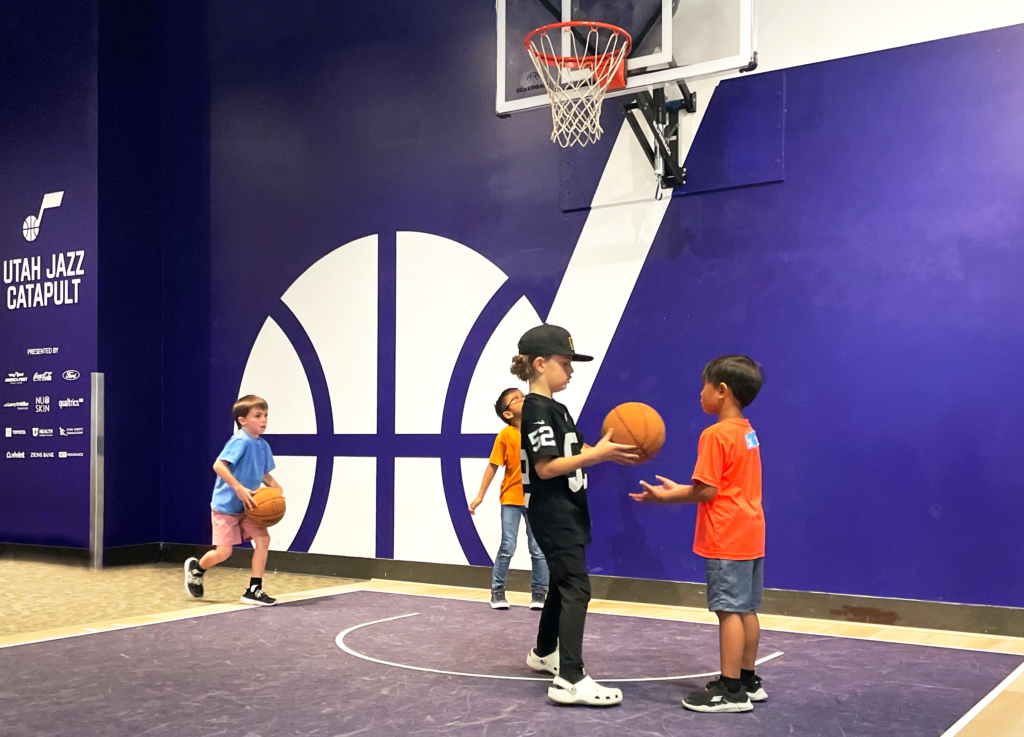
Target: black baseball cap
{"type": "Point", "coordinates": [549, 340]}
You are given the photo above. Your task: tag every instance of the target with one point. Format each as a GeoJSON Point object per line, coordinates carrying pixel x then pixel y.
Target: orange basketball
{"type": "Point", "coordinates": [269, 507]}
{"type": "Point", "coordinates": [635, 423]}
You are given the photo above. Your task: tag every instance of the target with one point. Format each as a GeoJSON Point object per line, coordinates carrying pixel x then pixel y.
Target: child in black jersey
{"type": "Point", "coordinates": [555, 484]}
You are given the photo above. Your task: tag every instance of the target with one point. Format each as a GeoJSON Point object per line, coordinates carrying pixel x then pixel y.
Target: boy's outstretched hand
{"type": "Point", "coordinates": [606, 450]}
{"type": "Point", "coordinates": [663, 492]}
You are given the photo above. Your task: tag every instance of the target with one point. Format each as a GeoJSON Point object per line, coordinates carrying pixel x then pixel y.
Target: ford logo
{"type": "Point", "coordinates": [71, 374]}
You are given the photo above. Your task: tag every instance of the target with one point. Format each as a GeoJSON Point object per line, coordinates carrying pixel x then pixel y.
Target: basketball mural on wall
{"type": "Point", "coordinates": [333, 411]}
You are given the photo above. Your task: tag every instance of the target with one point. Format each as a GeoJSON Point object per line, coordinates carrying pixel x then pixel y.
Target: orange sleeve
{"type": "Point", "coordinates": [710, 461]}
{"type": "Point", "coordinates": [498, 451]}
{"type": "Point", "coordinates": [512, 455]}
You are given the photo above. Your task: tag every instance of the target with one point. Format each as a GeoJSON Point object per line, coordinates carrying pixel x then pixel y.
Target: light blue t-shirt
{"type": "Point", "coordinates": [249, 458]}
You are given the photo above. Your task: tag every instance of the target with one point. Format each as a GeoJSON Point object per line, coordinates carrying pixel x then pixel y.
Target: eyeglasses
{"type": "Point", "coordinates": [511, 402]}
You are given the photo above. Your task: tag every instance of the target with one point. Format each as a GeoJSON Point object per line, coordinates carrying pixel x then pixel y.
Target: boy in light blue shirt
{"type": "Point", "coordinates": [242, 467]}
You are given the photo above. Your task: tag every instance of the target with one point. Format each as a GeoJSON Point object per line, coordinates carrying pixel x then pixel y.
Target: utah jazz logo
{"type": "Point", "coordinates": [30, 228]}
{"type": "Point", "coordinates": [381, 365]}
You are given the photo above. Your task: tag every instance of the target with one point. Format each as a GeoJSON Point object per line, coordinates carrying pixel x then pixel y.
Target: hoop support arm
{"type": "Point", "coordinates": [664, 124]}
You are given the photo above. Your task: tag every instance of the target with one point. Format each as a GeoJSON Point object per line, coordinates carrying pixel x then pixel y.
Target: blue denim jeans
{"type": "Point", "coordinates": [510, 516]}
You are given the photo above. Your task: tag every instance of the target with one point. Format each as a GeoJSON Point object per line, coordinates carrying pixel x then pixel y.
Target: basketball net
{"type": "Point", "coordinates": [578, 62]}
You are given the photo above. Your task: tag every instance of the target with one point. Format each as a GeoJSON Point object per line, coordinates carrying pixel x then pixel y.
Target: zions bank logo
{"type": "Point", "coordinates": [381, 364]}
{"type": "Point", "coordinates": [30, 228]}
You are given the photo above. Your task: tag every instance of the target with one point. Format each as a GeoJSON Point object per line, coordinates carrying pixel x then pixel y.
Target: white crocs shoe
{"type": "Point", "coordinates": [587, 691]}
{"type": "Point", "coordinates": [548, 664]}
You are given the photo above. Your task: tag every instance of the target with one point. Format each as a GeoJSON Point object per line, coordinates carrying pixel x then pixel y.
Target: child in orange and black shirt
{"type": "Point", "coordinates": [509, 408]}
{"type": "Point", "coordinates": [730, 528]}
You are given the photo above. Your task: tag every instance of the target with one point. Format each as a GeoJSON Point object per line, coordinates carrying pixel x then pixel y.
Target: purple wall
{"type": "Point", "coordinates": [47, 144]}
{"type": "Point", "coordinates": [877, 283]}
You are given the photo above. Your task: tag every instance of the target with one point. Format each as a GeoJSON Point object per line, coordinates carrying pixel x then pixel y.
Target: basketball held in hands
{"type": "Point", "coordinates": [637, 424]}
{"type": "Point", "coordinates": [270, 507]}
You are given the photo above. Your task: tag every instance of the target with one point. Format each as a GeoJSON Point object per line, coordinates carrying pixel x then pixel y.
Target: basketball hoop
{"type": "Point", "coordinates": [591, 59]}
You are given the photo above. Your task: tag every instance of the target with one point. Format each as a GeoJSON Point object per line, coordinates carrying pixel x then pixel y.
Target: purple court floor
{"type": "Point", "coordinates": [277, 672]}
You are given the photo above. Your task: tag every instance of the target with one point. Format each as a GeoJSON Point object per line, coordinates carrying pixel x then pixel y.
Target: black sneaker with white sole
{"type": "Point", "coordinates": [257, 596]}
{"type": "Point", "coordinates": [537, 600]}
{"type": "Point", "coordinates": [498, 600]}
{"type": "Point", "coordinates": [193, 579]}
{"type": "Point", "coordinates": [717, 698]}
{"type": "Point", "coordinates": [755, 690]}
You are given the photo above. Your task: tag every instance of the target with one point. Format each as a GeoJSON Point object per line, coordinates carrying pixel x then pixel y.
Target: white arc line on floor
{"type": "Point", "coordinates": [340, 642]}
{"type": "Point", "coordinates": [966, 718]}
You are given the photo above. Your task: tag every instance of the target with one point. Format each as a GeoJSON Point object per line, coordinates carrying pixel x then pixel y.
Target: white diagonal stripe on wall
{"type": "Point", "coordinates": [612, 250]}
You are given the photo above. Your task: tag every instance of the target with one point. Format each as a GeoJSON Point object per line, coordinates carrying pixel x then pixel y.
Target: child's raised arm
{"type": "Point", "coordinates": [492, 468]}
{"type": "Point", "coordinates": [549, 467]}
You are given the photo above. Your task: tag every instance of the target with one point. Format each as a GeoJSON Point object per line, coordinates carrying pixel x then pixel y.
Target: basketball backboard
{"type": "Point", "coordinates": [672, 40]}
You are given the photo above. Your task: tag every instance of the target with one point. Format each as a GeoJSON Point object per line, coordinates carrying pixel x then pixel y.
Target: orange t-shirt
{"type": "Point", "coordinates": [506, 453]}
{"type": "Point", "coordinates": [730, 526]}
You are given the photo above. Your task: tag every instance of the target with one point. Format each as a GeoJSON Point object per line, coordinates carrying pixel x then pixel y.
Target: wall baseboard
{"type": "Point", "coordinates": [991, 620]}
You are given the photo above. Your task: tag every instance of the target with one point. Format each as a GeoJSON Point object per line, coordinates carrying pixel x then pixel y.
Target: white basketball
{"type": "Point", "coordinates": [30, 228]}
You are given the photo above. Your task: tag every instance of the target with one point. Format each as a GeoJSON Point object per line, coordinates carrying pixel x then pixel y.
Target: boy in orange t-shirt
{"type": "Point", "coordinates": [730, 528]}
{"type": "Point", "coordinates": [509, 408]}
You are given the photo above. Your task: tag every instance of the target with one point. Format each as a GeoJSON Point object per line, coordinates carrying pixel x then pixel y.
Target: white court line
{"type": "Point", "coordinates": [340, 642]}
{"type": "Point", "coordinates": [966, 718]}
{"type": "Point", "coordinates": [860, 638]}
{"type": "Point", "coordinates": [199, 612]}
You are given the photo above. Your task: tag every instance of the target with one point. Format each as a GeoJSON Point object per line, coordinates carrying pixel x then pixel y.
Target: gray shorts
{"type": "Point", "coordinates": [734, 585]}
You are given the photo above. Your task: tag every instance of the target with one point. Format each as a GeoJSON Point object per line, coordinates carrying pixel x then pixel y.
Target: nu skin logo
{"type": "Point", "coordinates": [381, 364]}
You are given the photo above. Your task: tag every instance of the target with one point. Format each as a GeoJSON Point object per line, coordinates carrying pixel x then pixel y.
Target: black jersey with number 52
{"type": "Point", "coordinates": [557, 507]}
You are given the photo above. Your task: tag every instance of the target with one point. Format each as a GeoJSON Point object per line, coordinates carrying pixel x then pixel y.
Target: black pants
{"type": "Point", "coordinates": [565, 610]}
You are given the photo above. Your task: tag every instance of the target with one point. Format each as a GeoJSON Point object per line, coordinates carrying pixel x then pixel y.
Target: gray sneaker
{"type": "Point", "coordinates": [498, 599]}
{"type": "Point", "coordinates": [193, 579]}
